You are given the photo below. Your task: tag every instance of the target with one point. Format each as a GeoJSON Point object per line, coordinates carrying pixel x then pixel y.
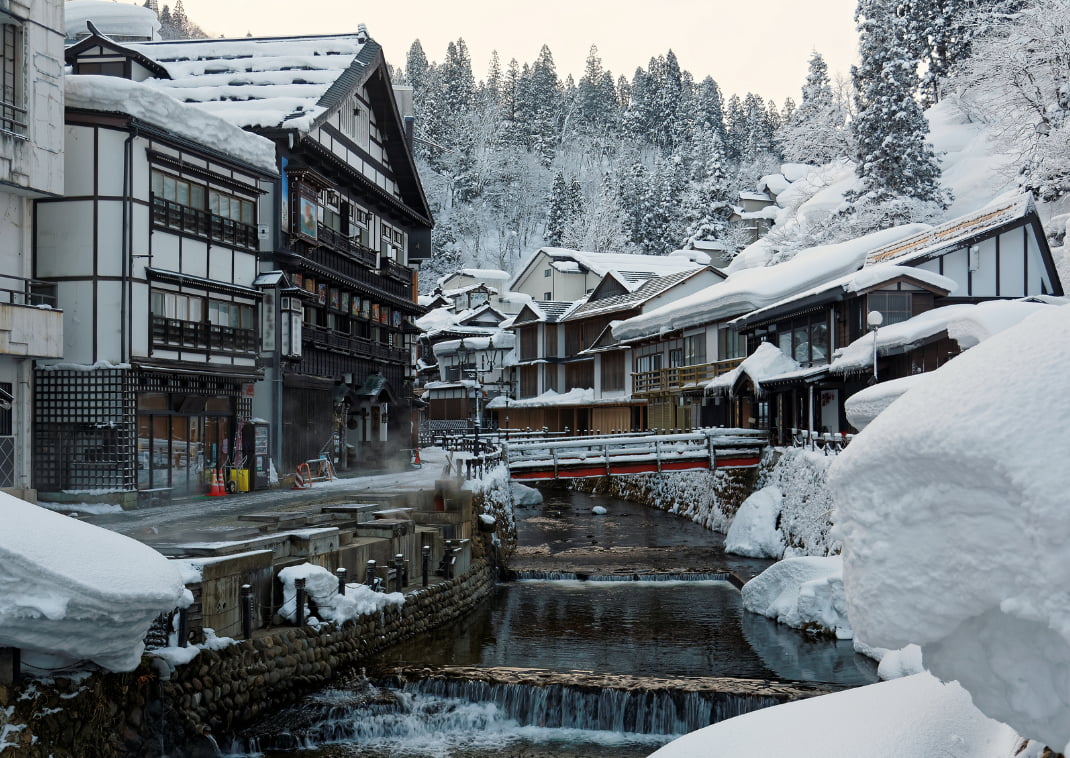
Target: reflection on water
{"type": "Point", "coordinates": [663, 629]}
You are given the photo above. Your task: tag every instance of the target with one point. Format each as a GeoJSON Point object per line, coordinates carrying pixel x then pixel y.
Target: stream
{"type": "Point", "coordinates": [635, 592]}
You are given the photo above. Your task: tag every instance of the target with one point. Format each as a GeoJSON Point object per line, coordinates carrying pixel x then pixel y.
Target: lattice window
{"type": "Point", "coordinates": [84, 431]}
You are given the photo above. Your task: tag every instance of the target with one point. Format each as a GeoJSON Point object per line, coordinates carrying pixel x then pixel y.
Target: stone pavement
{"type": "Point", "coordinates": [193, 517]}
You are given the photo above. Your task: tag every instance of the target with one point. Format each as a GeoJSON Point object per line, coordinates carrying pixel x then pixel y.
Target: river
{"type": "Point", "coordinates": [633, 626]}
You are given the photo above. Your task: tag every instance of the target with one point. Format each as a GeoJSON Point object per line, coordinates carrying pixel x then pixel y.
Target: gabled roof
{"type": "Point", "coordinates": [544, 311]}
{"type": "Point", "coordinates": [630, 268]}
{"type": "Point", "coordinates": [293, 84]}
{"type": "Point", "coordinates": [956, 232]}
{"type": "Point", "coordinates": [647, 291]}
{"type": "Point", "coordinates": [480, 313]}
{"type": "Point", "coordinates": [96, 39]}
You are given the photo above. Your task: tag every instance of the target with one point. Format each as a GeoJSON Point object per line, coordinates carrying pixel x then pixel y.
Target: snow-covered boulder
{"type": "Point", "coordinates": [805, 593]}
{"type": "Point", "coordinates": [72, 592]}
{"type": "Point", "coordinates": [952, 506]}
{"type": "Point", "coordinates": [321, 587]}
{"type": "Point", "coordinates": [753, 531]}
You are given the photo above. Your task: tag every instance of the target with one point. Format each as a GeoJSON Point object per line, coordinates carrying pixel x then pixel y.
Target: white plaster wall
{"type": "Point", "coordinates": [108, 322]}
{"type": "Point", "coordinates": [110, 238]}
{"type": "Point", "coordinates": [110, 162]}
{"type": "Point", "coordinates": [78, 162]}
{"type": "Point", "coordinates": [64, 239]}
{"type": "Point", "coordinates": [77, 299]}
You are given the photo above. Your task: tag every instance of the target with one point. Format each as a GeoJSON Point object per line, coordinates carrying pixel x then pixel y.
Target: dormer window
{"type": "Point", "coordinates": [102, 68]}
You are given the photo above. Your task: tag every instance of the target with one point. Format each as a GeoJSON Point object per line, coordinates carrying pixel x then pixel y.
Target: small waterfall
{"type": "Point", "coordinates": [566, 576]}
{"type": "Point", "coordinates": [426, 721]}
{"type": "Point", "coordinates": [560, 706]}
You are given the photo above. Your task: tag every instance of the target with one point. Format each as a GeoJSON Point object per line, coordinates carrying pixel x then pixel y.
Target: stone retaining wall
{"type": "Point", "coordinates": [178, 711]}
{"type": "Point", "coordinates": [159, 710]}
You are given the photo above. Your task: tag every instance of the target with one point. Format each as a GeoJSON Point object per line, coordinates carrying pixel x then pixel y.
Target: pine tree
{"type": "Point", "coordinates": [892, 156]}
{"type": "Point", "coordinates": [491, 91]}
{"type": "Point", "coordinates": [708, 200]}
{"type": "Point", "coordinates": [595, 97]}
{"type": "Point", "coordinates": [153, 6]}
{"type": "Point", "coordinates": [542, 104]}
{"type": "Point", "coordinates": [180, 22]}
{"type": "Point", "coordinates": [817, 131]}
{"type": "Point", "coordinates": [938, 33]}
{"type": "Point", "coordinates": [416, 71]}
{"type": "Point", "coordinates": [557, 213]}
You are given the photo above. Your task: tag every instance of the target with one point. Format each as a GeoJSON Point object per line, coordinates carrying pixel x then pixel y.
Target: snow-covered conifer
{"type": "Point", "coordinates": [816, 131]}
{"type": "Point", "coordinates": [892, 156]}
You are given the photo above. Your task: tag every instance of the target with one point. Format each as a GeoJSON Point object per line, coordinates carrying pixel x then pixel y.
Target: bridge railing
{"type": "Point", "coordinates": [701, 444]}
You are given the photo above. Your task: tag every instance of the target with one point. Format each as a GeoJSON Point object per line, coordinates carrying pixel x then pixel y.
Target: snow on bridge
{"type": "Point", "coordinates": [622, 454]}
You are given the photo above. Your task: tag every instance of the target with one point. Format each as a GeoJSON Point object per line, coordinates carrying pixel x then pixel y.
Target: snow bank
{"type": "Point", "coordinates": [914, 717]}
{"type": "Point", "coordinates": [322, 588]}
{"type": "Point", "coordinates": [805, 511]}
{"type": "Point", "coordinates": [952, 507]}
{"type": "Point", "coordinates": [525, 495]}
{"type": "Point", "coordinates": [866, 404]}
{"type": "Point", "coordinates": [805, 593]}
{"type": "Point", "coordinates": [72, 592]}
{"type": "Point", "coordinates": [754, 529]}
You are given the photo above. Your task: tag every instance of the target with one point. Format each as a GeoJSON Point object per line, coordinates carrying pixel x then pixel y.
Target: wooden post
{"type": "Point", "coordinates": [341, 574]}
{"type": "Point", "coordinates": [299, 613]}
{"type": "Point", "coordinates": [426, 563]}
{"type": "Point", "coordinates": [399, 572]}
{"type": "Point", "coordinates": [10, 665]}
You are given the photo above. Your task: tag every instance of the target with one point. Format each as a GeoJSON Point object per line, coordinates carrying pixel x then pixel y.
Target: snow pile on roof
{"type": "Point", "coordinates": [321, 587]}
{"type": "Point", "coordinates": [866, 404]}
{"type": "Point", "coordinates": [914, 717]}
{"type": "Point", "coordinates": [578, 396]}
{"type": "Point", "coordinates": [749, 289]}
{"type": "Point", "coordinates": [255, 82]}
{"type": "Point", "coordinates": [71, 592]}
{"type": "Point", "coordinates": [966, 323]}
{"type": "Point", "coordinates": [483, 274]}
{"type": "Point", "coordinates": [114, 19]}
{"type": "Point", "coordinates": [766, 362]}
{"type": "Point", "coordinates": [952, 506]}
{"type": "Point", "coordinates": [753, 531]}
{"type": "Point", "coordinates": [805, 593]}
{"type": "Point", "coordinates": [112, 94]}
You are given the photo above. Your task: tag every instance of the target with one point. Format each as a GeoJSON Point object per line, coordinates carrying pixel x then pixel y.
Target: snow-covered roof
{"type": "Point", "coordinates": [629, 267]}
{"type": "Point", "coordinates": [260, 82]}
{"type": "Point", "coordinates": [752, 288]}
{"type": "Point", "coordinates": [497, 341]}
{"type": "Point", "coordinates": [72, 592]}
{"type": "Point", "coordinates": [577, 396]}
{"type": "Point", "coordinates": [645, 292]}
{"type": "Point", "coordinates": [117, 20]}
{"type": "Point", "coordinates": [112, 94]}
{"type": "Point", "coordinates": [966, 323]}
{"type": "Point", "coordinates": [927, 243]}
{"type": "Point", "coordinates": [482, 274]}
{"type": "Point", "coordinates": [549, 311]}
{"type": "Point", "coordinates": [866, 278]}
{"type": "Point", "coordinates": [766, 362]}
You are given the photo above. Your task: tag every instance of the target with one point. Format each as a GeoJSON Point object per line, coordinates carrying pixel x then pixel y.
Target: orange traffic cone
{"type": "Point", "coordinates": [416, 457]}
{"type": "Point", "coordinates": [217, 490]}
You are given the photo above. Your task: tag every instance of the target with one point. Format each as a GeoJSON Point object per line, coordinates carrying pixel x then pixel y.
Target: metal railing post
{"type": "Point", "coordinates": [183, 627]}
{"type": "Point", "coordinates": [426, 563]}
{"type": "Point", "coordinates": [247, 611]}
{"type": "Point", "coordinates": [341, 574]}
{"type": "Point", "coordinates": [399, 572]}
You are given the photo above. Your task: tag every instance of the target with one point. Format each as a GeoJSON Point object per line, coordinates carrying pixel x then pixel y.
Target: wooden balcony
{"type": "Point", "coordinates": [669, 380]}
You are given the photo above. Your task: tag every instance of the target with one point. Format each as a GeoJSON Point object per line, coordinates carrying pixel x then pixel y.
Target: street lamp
{"type": "Point", "coordinates": [874, 319]}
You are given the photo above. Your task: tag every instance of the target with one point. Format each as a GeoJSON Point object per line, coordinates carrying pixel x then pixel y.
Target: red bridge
{"type": "Point", "coordinates": [617, 455]}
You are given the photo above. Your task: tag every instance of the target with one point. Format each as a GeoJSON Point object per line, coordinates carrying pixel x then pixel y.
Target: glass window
{"type": "Point", "coordinates": [893, 306]}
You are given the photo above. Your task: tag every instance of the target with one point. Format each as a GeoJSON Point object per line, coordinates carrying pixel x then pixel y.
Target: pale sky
{"type": "Point", "coordinates": [761, 48]}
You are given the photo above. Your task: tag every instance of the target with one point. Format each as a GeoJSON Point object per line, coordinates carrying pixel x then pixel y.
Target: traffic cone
{"type": "Point", "coordinates": [416, 457]}
{"type": "Point", "coordinates": [217, 490]}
